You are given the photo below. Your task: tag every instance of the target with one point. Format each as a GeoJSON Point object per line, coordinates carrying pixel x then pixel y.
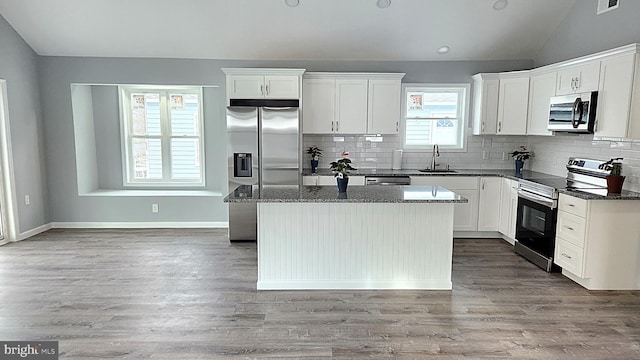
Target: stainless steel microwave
{"type": "Point", "coordinates": [573, 113]}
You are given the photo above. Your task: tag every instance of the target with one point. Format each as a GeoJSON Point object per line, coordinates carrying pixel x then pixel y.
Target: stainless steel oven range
{"type": "Point", "coordinates": [538, 208]}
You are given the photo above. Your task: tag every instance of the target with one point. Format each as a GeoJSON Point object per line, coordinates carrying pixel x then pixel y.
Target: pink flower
{"type": "Point", "coordinates": [345, 153]}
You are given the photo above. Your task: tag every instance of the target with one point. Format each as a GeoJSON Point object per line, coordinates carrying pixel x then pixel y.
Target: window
{"type": "Point", "coordinates": [162, 135]}
{"type": "Point", "coordinates": [435, 114]}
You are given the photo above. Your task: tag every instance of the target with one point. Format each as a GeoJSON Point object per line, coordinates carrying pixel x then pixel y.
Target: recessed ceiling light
{"type": "Point", "coordinates": [383, 3]}
{"type": "Point", "coordinates": [443, 49]}
{"type": "Point", "coordinates": [500, 4]}
{"type": "Point", "coordinates": [292, 3]}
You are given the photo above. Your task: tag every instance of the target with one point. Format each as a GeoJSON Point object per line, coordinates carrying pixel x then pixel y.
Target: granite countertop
{"type": "Point", "coordinates": [601, 195]}
{"type": "Point", "coordinates": [508, 173]}
{"type": "Point", "coordinates": [354, 194]}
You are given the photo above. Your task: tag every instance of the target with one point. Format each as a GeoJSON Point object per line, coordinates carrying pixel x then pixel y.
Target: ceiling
{"type": "Point", "coordinates": [271, 30]}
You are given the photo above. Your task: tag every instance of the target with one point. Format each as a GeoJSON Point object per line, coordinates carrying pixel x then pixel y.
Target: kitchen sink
{"type": "Point", "coordinates": [437, 171]}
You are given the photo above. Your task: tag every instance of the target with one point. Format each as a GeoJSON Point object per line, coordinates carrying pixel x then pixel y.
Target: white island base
{"type": "Point", "coordinates": [355, 245]}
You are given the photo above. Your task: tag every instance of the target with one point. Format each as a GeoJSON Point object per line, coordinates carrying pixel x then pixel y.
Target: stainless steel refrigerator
{"type": "Point", "coordinates": [263, 150]}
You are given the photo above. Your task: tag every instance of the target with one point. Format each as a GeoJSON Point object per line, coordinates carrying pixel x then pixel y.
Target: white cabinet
{"type": "Point", "coordinates": [597, 242]}
{"type": "Point", "coordinates": [256, 83]}
{"type": "Point", "coordinates": [351, 106]}
{"type": "Point", "coordinates": [489, 203]}
{"type": "Point", "coordinates": [618, 97]}
{"type": "Point", "coordinates": [508, 208]}
{"type": "Point", "coordinates": [465, 216]}
{"type": "Point", "coordinates": [330, 180]}
{"type": "Point", "coordinates": [485, 104]}
{"type": "Point", "coordinates": [319, 106]}
{"type": "Point", "coordinates": [351, 103]}
{"type": "Point", "coordinates": [541, 88]}
{"type": "Point", "coordinates": [577, 79]}
{"type": "Point", "coordinates": [384, 106]}
{"type": "Point", "coordinates": [513, 99]}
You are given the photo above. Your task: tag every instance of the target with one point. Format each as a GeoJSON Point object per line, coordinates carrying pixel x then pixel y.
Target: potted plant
{"type": "Point", "coordinates": [520, 156]}
{"type": "Point", "coordinates": [615, 180]}
{"type": "Point", "coordinates": [315, 153]}
{"type": "Point", "coordinates": [341, 168]}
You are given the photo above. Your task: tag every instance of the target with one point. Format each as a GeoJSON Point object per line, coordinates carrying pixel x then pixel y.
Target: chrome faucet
{"type": "Point", "coordinates": [436, 153]}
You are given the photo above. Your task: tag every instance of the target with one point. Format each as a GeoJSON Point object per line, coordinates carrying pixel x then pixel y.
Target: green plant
{"type": "Point", "coordinates": [521, 154]}
{"type": "Point", "coordinates": [315, 152]}
{"type": "Point", "coordinates": [341, 167]}
{"type": "Point", "coordinates": [614, 165]}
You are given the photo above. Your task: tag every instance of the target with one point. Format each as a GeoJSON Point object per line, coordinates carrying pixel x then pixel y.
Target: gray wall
{"type": "Point", "coordinates": [57, 73]}
{"type": "Point", "coordinates": [583, 33]}
{"type": "Point", "coordinates": [19, 67]}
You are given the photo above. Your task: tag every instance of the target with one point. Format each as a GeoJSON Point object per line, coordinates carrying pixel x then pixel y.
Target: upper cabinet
{"type": "Point", "coordinates": [351, 106]}
{"type": "Point", "coordinates": [485, 104]}
{"type": "Point", "coordinates": [578, 79]}
{"type": "Point", "coordinates": [522, 97]}
{"type": "Point", "coordinates": [541, 88]}
{"type": "Point", "coordinates": [351, 103]}
{"type": "Point", "coordinates": [513, 100]}
{"type": "Point", "coordinates": [251, 83]}
{"type": "Point", "coordinates": [319, 106]}
{"type": "Point", "coordinates": [618, 110]}
{"type": "Point", "coordinates": [384, 106]}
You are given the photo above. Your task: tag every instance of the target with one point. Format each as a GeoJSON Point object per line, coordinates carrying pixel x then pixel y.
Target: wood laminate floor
{"type": "Point", "coordinates": [189, 294]}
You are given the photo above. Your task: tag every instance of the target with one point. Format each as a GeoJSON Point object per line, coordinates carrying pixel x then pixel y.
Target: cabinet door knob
{"type": "Point", "coordinates": [266, 89]}
{"type": "Point", "coordinates": [332, 126]}
{"type": "Point", "coordinates": [337, 126]}
{"type": "Point", "coordinates": [262, 89]}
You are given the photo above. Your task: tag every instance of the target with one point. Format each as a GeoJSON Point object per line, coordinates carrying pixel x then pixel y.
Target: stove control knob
{"type": "Point", "coordinates": [570, 162]}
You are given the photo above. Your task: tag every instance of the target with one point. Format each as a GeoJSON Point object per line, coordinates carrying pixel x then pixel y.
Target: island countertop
{"type": "Point", "coordinates": [354, 194]}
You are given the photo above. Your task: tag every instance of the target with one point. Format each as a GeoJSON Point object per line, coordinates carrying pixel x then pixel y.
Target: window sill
{"type": "Point", "coordinates": [142, 193]}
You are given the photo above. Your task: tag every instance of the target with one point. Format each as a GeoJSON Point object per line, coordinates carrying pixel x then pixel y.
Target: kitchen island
{"type": "Point", "coordinates": [372, 237]}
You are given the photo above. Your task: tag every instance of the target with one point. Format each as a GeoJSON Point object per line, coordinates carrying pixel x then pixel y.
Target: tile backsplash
{"type": "Point", "coordinates": [549, 154]}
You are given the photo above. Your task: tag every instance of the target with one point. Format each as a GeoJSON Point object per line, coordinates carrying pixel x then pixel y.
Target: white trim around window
{"type": "Point", "coordinates": [161, 136]}
{"type": "Point", "coordinates": [435, 114]}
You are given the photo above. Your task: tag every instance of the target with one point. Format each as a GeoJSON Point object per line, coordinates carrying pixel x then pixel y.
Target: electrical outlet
{"type": "Point", "coordinates": [154, 208]}
{"type": "Point", "coordinates": [485, 155]}
{"type": "Point", "coordinates": [504, 155]}
{"type": "Point", "coordinates": [486, 142]}
{"type": "Point", "coordinates": [27, 200]}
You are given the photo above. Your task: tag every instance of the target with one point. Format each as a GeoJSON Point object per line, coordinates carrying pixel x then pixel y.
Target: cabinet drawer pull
{"type": "Point", "coordinates": [266, 89]}
{"type": "Point", "coordinates": [332, 126]}
{"type": "Point", "coordinates": [337, 125]}
{"type": "Point", "coordinates": [569, 228]}
{"type": "Point", "coordinates": [567, 256]}
{"type": "Point", "coordinates": [262, 89]}
{"type": "Point", "coordinates": [570, 205]}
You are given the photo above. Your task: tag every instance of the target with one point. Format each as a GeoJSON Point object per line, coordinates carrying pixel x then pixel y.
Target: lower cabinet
{"type": "Point", "coordinates": [330, 180]}
{"type": "Point", "coordinates": [508, 208]}
{"type": "Point", "coordinates": [597, 242]}
{"type": "Point", "coordinates": [489, 203]}
{"type": "Point", "coordinates": [465, 216]}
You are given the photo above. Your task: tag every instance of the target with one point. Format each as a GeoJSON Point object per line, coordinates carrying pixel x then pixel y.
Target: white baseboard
{"type": "Point", "coordinates": [350, 285]}
{"type": "Point", "coordinates": [33, 232]}
{"type": "Point", "coordinates": [477, 234]}
{"type": "Point", "coordinates": [139, 225]}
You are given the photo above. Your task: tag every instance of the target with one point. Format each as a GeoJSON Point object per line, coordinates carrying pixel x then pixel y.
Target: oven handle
{"type": "Point", "coordinates": [537, 199]}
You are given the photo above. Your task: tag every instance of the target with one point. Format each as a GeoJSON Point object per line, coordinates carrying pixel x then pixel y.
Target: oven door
{"type": "Point", "coordinates": [536, 224]}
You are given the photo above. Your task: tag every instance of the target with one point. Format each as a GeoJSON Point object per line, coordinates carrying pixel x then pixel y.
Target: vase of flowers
{"type": "Point", "coordinates": [520, 156]}
{"type": "Point", "coordinates": [341, 168]}
{"type": "Point", "coordinates": [615, 180]}
{"type": "Point", "coordinates": [315, 153]}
